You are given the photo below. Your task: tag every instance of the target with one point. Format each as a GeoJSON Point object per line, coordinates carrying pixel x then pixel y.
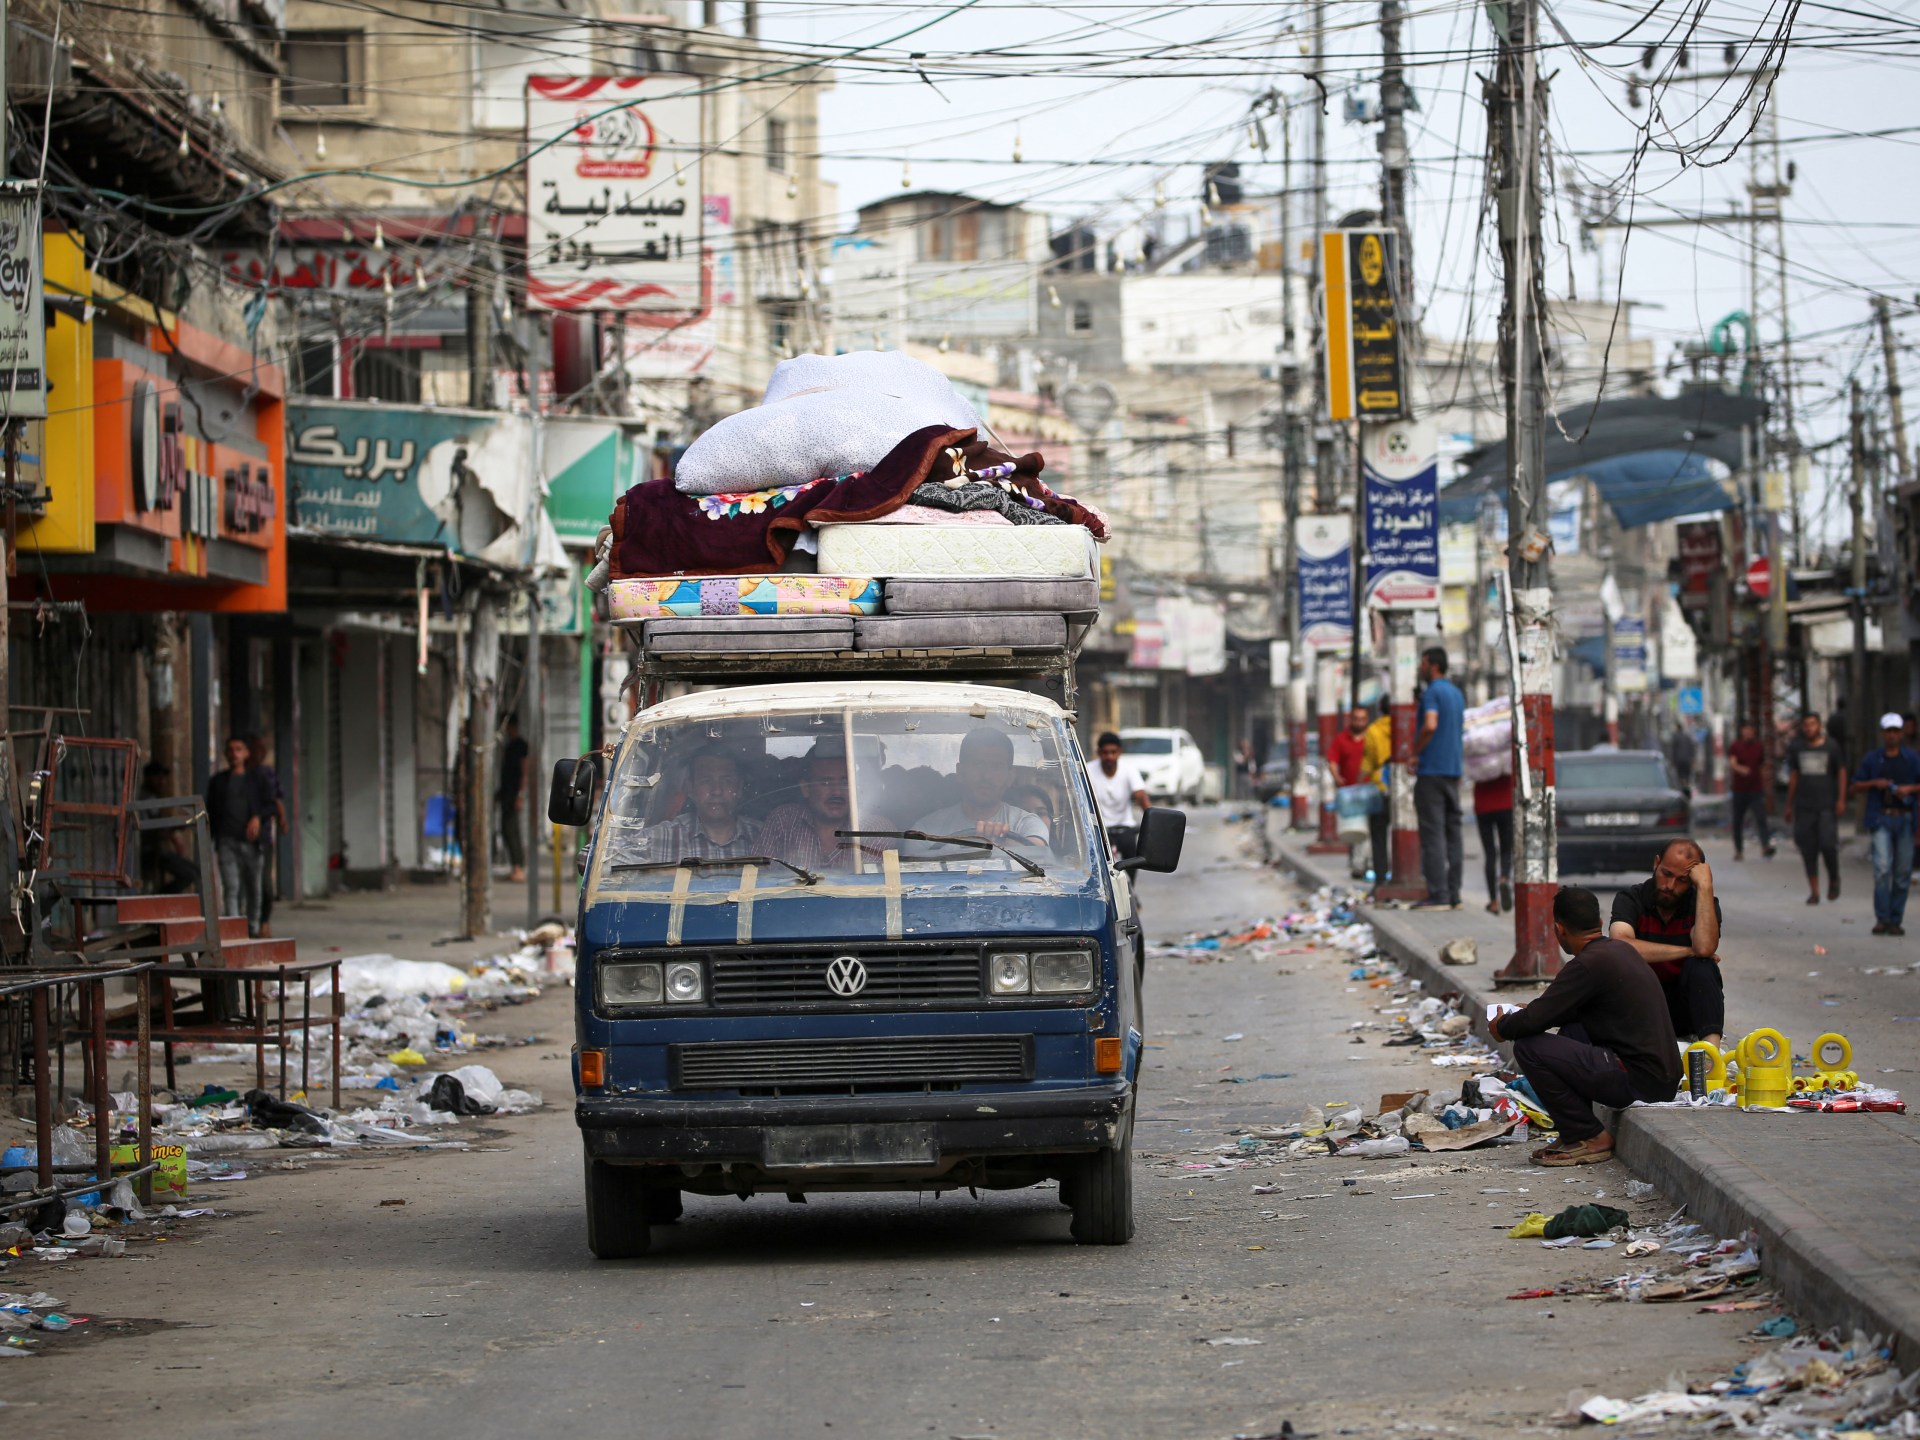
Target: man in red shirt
{"type": "Point", "coordinates": [1747, 758]}
{"type": "Point", "coordinates": [1349, 746]}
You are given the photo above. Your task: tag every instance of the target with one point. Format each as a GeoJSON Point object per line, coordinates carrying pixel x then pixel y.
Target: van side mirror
{"type": "Point", "coordinates": [1162, 834]}
{"type": "Point", "coordinates": [570, 798]}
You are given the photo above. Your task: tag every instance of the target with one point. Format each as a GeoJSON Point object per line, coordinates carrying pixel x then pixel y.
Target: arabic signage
{"type": "Point", "coordinates": [1324, 547]}
{"type": "Point", "coordinates": [23, 330]}
{"type": "Point", "coordinates": [1366, 367]}
{"type": "Point", "coordinates": [1402, 499]}
{"type": "Point", "coordinates": [337, 269]}
{"type": "Point", "coordinates": [1629, 655]}
{"type": "Point", "coordinates": [400, 474]}
{"type": "Point", "coordinates": [613, 192]}
{"type": "Point", "coordinates": [677, 346]}
{"type": "Point", "coordinates": [1700, 562]}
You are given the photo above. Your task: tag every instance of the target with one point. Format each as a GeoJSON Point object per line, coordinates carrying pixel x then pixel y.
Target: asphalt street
{"type": "Point", "coordinates": [474, 1310]}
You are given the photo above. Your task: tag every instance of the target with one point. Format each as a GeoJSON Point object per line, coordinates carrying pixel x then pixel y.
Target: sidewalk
{"type": "Point", "coordinates": [413, 921]}
{"type": "Point", "coordinates": [1827, 1194]}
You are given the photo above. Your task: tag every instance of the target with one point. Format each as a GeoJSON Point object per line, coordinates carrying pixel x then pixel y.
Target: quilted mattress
{"type": "Point", "coordinates": [965, 551]}
{"type": "Point", "coordinates": [941, 632]}
{"type": "Point", "coordinates": [723, 595]}
{"type": "Point", "coordinates": [749, 634]}
{"type": "Point", "coordinates": [913, 596]}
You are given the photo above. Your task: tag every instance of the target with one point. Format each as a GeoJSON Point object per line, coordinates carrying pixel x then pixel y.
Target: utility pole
{"type": "Point", "coordinates": [1896, 410]}
{"type": "Point", "coordinates": [1291, 692]}
{"type": "Point", "coordinates": [1516, 105]}
{"type": "Point", "coordinates": [1857, 587]}
{"type": "Point", "coordinates": [1393, 153]}
{"type": "Point", "coordinates": [1325, 480]}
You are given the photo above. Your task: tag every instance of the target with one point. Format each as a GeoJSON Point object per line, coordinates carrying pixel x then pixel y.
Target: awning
{"type": "Point", "coordinates": [1669, 442]}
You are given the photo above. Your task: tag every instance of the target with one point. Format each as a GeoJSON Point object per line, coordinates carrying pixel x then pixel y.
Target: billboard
{"type": "Point", "coordinates": [23, 325]}
{"type": "Point", "coordinates": [1402, 499]}
{"type": "Point", "coordinates": [1366, 365]}
{"type": "Point", "coordinates": [1324, 547]}
{"type": "Point", "coordinates": [614, 213]}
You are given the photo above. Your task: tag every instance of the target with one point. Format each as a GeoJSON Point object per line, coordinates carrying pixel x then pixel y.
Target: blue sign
{"type": "Point", "coordinates": [1324, 548]}
{"type": "Point", "coordinates": [1403, 538]}
{"type": "Point", "coordinates": [1691, 701]}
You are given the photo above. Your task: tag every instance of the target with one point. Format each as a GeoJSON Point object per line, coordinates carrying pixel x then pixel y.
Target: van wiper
{"type": "Point", "coordinates": [697, 862]}
{"type": "Point", "coordinates": [973, 840]}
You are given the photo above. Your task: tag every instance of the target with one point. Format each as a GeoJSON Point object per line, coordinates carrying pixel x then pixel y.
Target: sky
{"type": "Point", "coordinates": [1107, 101]}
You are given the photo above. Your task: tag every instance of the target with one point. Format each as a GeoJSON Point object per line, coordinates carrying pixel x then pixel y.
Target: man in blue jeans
{"type": "Point", "coordinates": [1891, 778]}
{"type": "Point", "coordinates": [1437, 757]}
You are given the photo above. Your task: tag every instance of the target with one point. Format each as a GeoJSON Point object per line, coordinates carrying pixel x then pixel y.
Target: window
{"type": "Point", "coordinates": [777, 159]}
{"type": "Point", "coordinates": [325, 67]}
{"type": "Point", "coordinates": [951, 237]}
{"type": "Point", "coordinates": [1082, 318]}
{"type": "Point", "coordinates": [390, 375]}
{"type": "Point", "coordinates": [314, 367]}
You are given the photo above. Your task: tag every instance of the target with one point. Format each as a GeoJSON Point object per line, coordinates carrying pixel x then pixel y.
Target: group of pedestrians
{"type": "Point", "coordinates": [1819, 788]}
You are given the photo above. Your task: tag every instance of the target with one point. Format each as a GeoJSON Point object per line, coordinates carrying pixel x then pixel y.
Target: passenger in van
{"type": "Point", "coordinates": [802, 833]}
{"type": "Point", "coordinates": [985, 772]}
{"type": "Point", "coordinates": [711, 827]}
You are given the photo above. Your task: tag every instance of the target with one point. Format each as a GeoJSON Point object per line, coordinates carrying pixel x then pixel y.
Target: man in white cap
{"type": "Point", "coordinates": [1890, 776]}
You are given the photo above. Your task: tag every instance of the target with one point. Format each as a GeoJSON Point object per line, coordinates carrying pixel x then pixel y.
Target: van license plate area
{"type": "Point", "coordinates": [801, 1147]}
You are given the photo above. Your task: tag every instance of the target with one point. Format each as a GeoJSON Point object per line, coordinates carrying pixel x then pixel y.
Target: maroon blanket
{"type": "Point", "coordinates": [659, 531]}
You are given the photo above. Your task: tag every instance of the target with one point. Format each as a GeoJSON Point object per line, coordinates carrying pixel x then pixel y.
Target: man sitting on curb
{"type": "Point", "coordinates": [1615, 1044]}
{"type": "Point", "coordinates": [1673, 920]}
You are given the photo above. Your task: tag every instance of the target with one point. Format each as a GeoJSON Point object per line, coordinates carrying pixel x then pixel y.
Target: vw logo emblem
{"type": "Point", "coordinates": [846, 976]}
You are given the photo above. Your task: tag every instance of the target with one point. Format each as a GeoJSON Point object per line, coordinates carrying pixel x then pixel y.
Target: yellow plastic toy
{"type": "Point", "coordinates": [1766, 1068]}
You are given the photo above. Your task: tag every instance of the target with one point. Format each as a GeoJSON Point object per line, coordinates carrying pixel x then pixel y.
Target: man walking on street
{"type": "Point", "coordinates": [1891, 778]}
{"type": "Point", "coordinates": [1816, 799]}
{"type": "Point", "coordinates": [1437, 760]}
{"type": "Point", "coordinates": [1747, 758]}
{"type": "Point", "coordinates": [1347, 754]}
{"type": "Point", "coordinates": [238, 804]}
{"type": "Point", "coordinates": [1682, 751]}
{"type": "Point", "coordinates": [1673, 921]}
{"type": "Point", "coordinates": [1118, 791]}
{"type": "Point", "coordinates": [1615, 1044]}
{"type": "Point", "coordinates": [507, 791]}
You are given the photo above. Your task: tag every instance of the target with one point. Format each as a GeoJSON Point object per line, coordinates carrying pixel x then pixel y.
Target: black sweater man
{"type": "Point", "coordinates": [1616, 1041]}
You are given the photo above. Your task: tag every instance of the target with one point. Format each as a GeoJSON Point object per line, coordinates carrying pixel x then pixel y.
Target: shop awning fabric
{"type": "Point", "coordinates": [1648, 456]}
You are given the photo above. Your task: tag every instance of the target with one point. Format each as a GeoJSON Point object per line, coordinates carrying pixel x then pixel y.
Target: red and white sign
{"type": "Point", "coordinates": [613, 193]}
{"type": "Point", "coordinates": [1760, 577]}
{"type": "Point", "coordinates": [1699, 562]}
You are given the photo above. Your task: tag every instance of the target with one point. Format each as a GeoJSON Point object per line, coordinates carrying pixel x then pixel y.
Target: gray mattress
{"type": "Point", "coordinates": [956, 597]}
{"type": "Point", "coordinates": [984, 631]}
{"type": "Point", "coordinates": [750, 633]}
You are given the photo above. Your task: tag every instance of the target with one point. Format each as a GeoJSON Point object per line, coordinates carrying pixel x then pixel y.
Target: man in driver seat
{"type": "Point", "coordinates": [985, 772]}
{"type": "Point", "coordinates": [711, 827]}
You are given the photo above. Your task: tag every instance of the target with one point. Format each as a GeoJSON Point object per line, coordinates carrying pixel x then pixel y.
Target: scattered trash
{"type": "Point", "coordinates": [1461, 951]}
{"type": "Point", "coordinates": [1232, 1340]}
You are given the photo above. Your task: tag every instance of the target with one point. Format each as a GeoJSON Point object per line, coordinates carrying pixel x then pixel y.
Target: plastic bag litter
{"type": "Point", "coordinates": [1381, 1149]}
{"type": "Point", "coordinates": [364, 976]}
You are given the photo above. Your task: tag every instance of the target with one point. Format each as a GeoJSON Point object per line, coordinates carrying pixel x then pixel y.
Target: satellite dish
{"type": "Point", "coordinates": [1089, 406]}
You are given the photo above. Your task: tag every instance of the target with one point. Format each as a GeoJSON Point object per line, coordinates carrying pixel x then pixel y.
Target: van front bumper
{"type": "Point", "coordinates": [761, 1132]}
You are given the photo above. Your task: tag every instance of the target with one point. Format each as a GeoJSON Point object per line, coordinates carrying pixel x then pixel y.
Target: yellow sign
{"type": "Point", "coordinates": [1366, 366]}
{"type": "Point", "coordinates": [59, 450]}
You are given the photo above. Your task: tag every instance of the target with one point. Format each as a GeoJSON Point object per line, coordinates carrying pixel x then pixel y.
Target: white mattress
{"type": "Point", "coordinates": [967, 551]}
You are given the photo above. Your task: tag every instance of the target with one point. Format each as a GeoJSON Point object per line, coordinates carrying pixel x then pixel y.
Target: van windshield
{"type": "Point", "coordinates": [985, 789]}
{"type": "Point", "coordinates": [1147, 744]}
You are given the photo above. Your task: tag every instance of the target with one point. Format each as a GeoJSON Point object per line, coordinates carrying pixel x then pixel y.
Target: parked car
{"type": "Point", "coordinates": [1170, 764]}
{"type": "Point", "coordinates": [1617, 809]}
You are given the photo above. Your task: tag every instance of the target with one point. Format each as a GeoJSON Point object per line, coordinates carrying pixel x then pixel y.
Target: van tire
{"type": "Point", "coordinates": [1103, 1195]}
{"type": "Point", "coordinates": [617, 1205]}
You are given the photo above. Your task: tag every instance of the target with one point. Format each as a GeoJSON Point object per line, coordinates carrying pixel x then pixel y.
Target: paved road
{"type": "Point", "coordinates": [474, 1310]}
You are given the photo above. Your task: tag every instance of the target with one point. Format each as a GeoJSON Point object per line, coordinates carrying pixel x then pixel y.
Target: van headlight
{"type": "Point", "coordinates": [686, 983]}
{"type": "Point", "coordinates": [1007, 974]}
{"type": "Point", "coordinates": [631, 984]}
{"type": "Point", "coordinates": [1062, 972]}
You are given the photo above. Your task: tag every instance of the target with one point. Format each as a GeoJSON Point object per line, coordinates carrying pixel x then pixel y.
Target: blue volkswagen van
{"type": "Point", "coordinates": [857, 934]}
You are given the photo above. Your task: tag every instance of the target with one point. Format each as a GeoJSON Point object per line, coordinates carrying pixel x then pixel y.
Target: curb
{"type": "Point", "coordinates": [1823, 1274]}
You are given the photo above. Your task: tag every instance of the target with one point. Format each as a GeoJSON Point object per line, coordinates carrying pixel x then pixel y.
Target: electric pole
{"type": "Point", "coordinates": [1896, 411]}
{"type": "Point", "coordinates": [1516, 104]}
{"type": "Point", "coordinates": [1857, 587]}
{"type": "Point", "coordinates": [1393, 154]}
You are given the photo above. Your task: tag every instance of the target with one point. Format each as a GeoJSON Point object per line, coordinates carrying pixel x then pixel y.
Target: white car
{"type": "Point", "coordinates": [1169, 762]}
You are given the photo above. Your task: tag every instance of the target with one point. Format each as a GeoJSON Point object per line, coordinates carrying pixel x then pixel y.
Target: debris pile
{"type": "Point", "coordinates": [1823, 1386]}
